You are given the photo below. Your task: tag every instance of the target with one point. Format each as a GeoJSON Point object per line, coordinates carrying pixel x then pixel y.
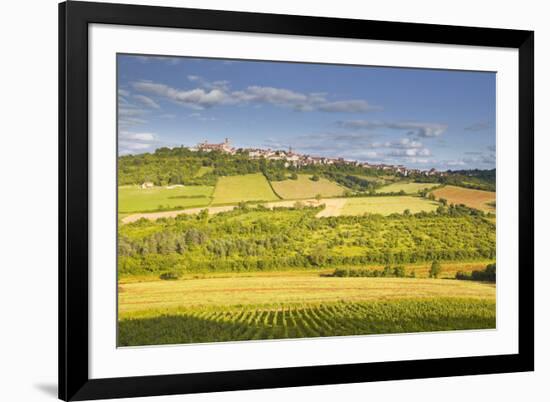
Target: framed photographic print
{"type": "Point", "coordinates": [258, 201]}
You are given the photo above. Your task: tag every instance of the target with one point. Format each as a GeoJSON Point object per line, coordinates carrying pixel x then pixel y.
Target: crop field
{"type": "Point", "coordinates": [386, 205]}
{"type": "Point", "coordinates": [137, 199]}
{"type": "Point", "coordinates": [249, 187]}
{"type": "Point", "coordinates": [259, 290]}
{"type": "Point", "coordinates": [304, 187]}
{"type": "Point", "coordinates": [306, 321]}
{"type": "Point", "coordinates": [247, 308]}
{"type": "Point", "coordinates": [478, 199]}
{"type": "Point", "coordinates": [409, 188]}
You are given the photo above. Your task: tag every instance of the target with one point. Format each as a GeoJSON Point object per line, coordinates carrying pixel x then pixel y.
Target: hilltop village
{"type": "Point", "coordinates": [297, 159]}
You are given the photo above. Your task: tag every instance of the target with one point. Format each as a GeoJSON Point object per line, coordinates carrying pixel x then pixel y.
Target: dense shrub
{"type": "Point", "coordinates": [435, 269]}
{"type": "Point", "coordinates": [169, 276]}
{"type": "Point", "coordinates": [256, 238]}
{"type": "Point", "coordinates": [387, 272]}
{"type": "Point", "coordinates": [489, 274]}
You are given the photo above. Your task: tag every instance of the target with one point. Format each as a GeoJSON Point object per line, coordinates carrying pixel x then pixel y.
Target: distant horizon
{"type": "Point", "coordinates": [286, 150]}
{"type": "Point", "coordinates": [418, 118]}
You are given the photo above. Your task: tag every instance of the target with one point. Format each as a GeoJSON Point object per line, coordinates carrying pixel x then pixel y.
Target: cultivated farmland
{"type": "Point", "coordinates": [136, 199]}
{"type": "Point", "coordinates": [409, 188]}
{"type": "Point", "coordinates": [386, 205]}
{"type": "Point", "coordinates": [304, 187]}
{"type": "Point", "coordinates": [244, 289]}
{"type": "Point", "coordinates": [306, 321]}
{"type": "Point", "coordinates": [245, 308]}
{"type": "Point", "coordinates": [250, 187]}
{"type": "Point", "coordinates": [477, 199]}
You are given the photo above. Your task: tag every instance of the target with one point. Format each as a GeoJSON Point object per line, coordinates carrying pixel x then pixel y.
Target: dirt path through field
{"type": "Point", "coordinates": [333, 207]}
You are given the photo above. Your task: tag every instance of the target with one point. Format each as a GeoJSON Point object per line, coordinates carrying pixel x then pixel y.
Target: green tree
{"type": "Point", "coordinates": [315, 177]}
{"type": "Point", "coordinates": [435, 269]}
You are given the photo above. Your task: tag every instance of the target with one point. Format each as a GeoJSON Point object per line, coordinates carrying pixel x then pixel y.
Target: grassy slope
{"type": "Point", "coordinates": [136, 199]}
{"type": "Point", "coordinates": [409, 188]}
{"type": "Point", "coordinates": [386, 205]}
{"type": "Point", "coordinates": [472, 198]}
{"type": "Point", "coordinates": [304, 187]}
{"type": "Point", "coordinates": [250, 187]}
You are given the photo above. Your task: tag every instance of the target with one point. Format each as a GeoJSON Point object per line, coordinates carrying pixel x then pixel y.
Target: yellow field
{"type": "Point", "coordinates": [409, 188]}
{"type": "Point", "coordinates": [257, 290]}
{"type": "Point", "coordinates": [386, 205]}
{"type": "Point", "coordinates": [250, 187]}
{"type": "Point", "coordinates": [477, 199]}
{"type": "Point", "coordinates": [304, 187]}
{"type": "Point", "coordinates": [137, 199]}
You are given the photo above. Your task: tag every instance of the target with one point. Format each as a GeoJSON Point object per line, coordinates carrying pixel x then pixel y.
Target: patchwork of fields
{"type": "Point", "coordinates": [304, 187]}
{"type": "Point", "coordinates": [354, 206]}
{"type": "Point", "coordinates": [264, 270]}
{"type": "Point", "coordinates": [477, 199]}
{"type": "Point", "coordinates": [250, 187]}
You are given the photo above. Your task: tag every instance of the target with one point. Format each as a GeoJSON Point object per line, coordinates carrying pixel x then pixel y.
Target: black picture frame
{"type": "Point", "coordinates": [74, 381]}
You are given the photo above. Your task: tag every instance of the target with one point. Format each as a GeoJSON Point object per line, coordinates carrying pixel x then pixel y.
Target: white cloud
{"type": "Point", "coordinates": [130, 141]}
{"type": "Point", "coordinates": [348, 106]}
{"type": "Point", "coordinates": [133, 146]}
{"type": "Point", "coordinates": [216, 93]}
{"type": "Point", "coordinates": [147, 101]}
{"type": "Point", "coordinates": [276, 96]}
{"type": "Point", "coordinates": [137, 136]}
{"type": "Point", "coordinates": [420, 129]}
{"type": "Point", "coordinates": [194, 98]}
{"type": "Point", "coordinates": [410, 152]}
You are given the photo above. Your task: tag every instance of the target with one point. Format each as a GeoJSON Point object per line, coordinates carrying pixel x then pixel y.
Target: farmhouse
{"type": "Point", "coordinates": [147, 184]}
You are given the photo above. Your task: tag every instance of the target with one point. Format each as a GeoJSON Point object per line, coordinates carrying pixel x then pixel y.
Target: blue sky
{"type": "Point", "coordinates": [416, 117]}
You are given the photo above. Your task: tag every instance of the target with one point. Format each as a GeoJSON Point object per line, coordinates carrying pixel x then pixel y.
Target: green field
{"type": "Point", "coordinates": [304, 187]}
{"type": "Point", "coordinates": [409, 188]}
{"type": "Point", "coordinates": [387, 205]}
{"type": "Point", "coordinates": [137, 199]}
{"type": "Point", "coordinates": [204, 170]}
{"type": "Point", "coordinates": [244, 308]}
{"type": "Point", "coordinates": [250, 187]}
